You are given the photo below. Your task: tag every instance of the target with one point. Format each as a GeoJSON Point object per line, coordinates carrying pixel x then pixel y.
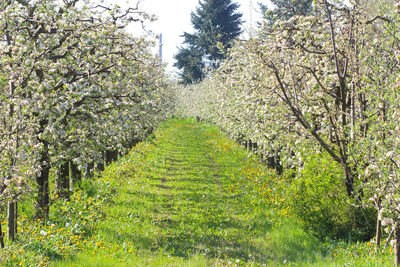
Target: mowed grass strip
{"type": "Point", "coordinates": [188, 203]}
{"type": "Point", "coordinates": [176, 208]}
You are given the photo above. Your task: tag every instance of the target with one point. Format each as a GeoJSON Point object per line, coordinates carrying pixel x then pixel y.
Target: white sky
{"type": "Point", "coordinates": [174, 19]}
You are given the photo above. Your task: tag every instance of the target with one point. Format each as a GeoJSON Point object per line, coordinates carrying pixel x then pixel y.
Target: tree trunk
{"type": "Point", "coordinates": [75, 174]}
{"type": "Point", "coordinates": [1, 237]}
{"type": "Point", "coordinates": [397, 244]}
{"type": "Point", "coordinates": [271, 162]}
{"type": "Point", "coordinates": [255, 147]}
{"type": "Point", "coordinates": [278, 165]}
{"type": "Point", "coordinates": [100, 165]}
{"type": "Point", "coordinates": [349, 182]}
{"type": "Point", "coordinates": [88, 173]}
{"type": "Point", "coordinates": [62, 180]}
{"type": "Point", "coordinates": [111, 156]}
{"type": "Point", "coordinates": [11, 205]}
{"type": "Point", "coordinates": [378, 233]}
{"type": "Point", "coordinates": [274, 162]}
{"type": "Point", "coordinates": [12, 214]}
{"type": "Point", "coordinates": [42, 179]}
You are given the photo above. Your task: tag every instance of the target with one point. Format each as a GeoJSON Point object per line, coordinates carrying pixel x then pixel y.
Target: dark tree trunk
{"type": "Point", "coordinates": [12, 215]}
{"type": "Point", "coordinates": [42, 179]}
{"type": "Point", "coordinates": [88, 173]}
{"type": "Point", "coordinates": [378, 235]}
{"type": "Point", "coordinates": [271, 162]}
{"type": "Point", "coordinates": [255, 147]}
{"type": "Point", "coordinates": [100, 165]}
{"type": "Point", "coordinates": [274, 162]}
{"type": "Point", "coordinates": [62, 180]}
{"type": "Point", "coordinates": [76, 174]}
{"type": "Point", "coordinates": [111, 155]}
{"type": "Point", "coordinates": [349, 182]}
{"type": "Point", "coordinates": [11, 205]}
{"type": "Point", "coordinates": [1, 237]}
{"type": "Point", "coordinates": [278, 165]}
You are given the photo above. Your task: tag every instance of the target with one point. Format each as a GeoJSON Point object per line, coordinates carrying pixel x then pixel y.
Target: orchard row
{"type": "Point", "coordinates": [325, 84]}
{"type": "Point", "coordinates": [76, 90]}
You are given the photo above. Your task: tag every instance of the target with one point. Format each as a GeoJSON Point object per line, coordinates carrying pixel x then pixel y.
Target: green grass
{"type": "Point", "coordinates": [188, 196]}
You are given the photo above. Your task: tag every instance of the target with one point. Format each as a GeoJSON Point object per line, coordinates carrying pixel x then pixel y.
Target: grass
{"type": "Point", "coordinates": [188, 196]}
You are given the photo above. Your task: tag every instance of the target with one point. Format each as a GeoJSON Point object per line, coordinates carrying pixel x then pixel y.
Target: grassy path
{"type": "Point", "coordinates": [188, 196]}
{"type": "Point", "coordinates": [180, 205]}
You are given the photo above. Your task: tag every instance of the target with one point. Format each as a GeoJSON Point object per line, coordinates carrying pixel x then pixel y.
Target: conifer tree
{"type": "Point", "coordinates": [189, 60]}
{"type": "Point", "coordinates": [216, 23]}
{"type": "Point", "coordinates": [285, 9]}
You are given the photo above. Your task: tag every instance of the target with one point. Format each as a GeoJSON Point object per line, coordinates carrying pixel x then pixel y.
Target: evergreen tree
{"type": "Point", "coordinates": [216, 24]}
{"type": "Point", "coordinates": [189, 60]}
{"type": "Point", "coordinates": [285, 9]}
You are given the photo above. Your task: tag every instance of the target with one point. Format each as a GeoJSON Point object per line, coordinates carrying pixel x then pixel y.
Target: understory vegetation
{"type": "Point", "coordinates": [187, 196]}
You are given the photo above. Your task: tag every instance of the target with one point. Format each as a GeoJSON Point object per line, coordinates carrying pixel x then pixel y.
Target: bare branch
{"type": "Point", "coordinates": [378, 17]}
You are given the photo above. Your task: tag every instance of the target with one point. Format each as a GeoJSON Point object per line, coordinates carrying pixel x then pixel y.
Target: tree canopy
{"type": "Point", "coordinates": [74, 85]}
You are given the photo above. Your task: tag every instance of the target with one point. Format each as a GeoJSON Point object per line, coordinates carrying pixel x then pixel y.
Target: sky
{"type": "Point", "coordinates": [174, 20]}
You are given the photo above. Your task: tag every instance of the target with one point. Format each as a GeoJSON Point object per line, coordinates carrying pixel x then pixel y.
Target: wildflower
{"type": "Point", "coordinates": [42, 232]}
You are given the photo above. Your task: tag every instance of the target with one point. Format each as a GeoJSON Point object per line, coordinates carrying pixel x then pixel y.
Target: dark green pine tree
{"type": "Point", "coordinates": [189, 61]}
{"type": "Point", "coordinates": [285, 9]}
{"type": "Point", "coordinates": [216, 23]}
